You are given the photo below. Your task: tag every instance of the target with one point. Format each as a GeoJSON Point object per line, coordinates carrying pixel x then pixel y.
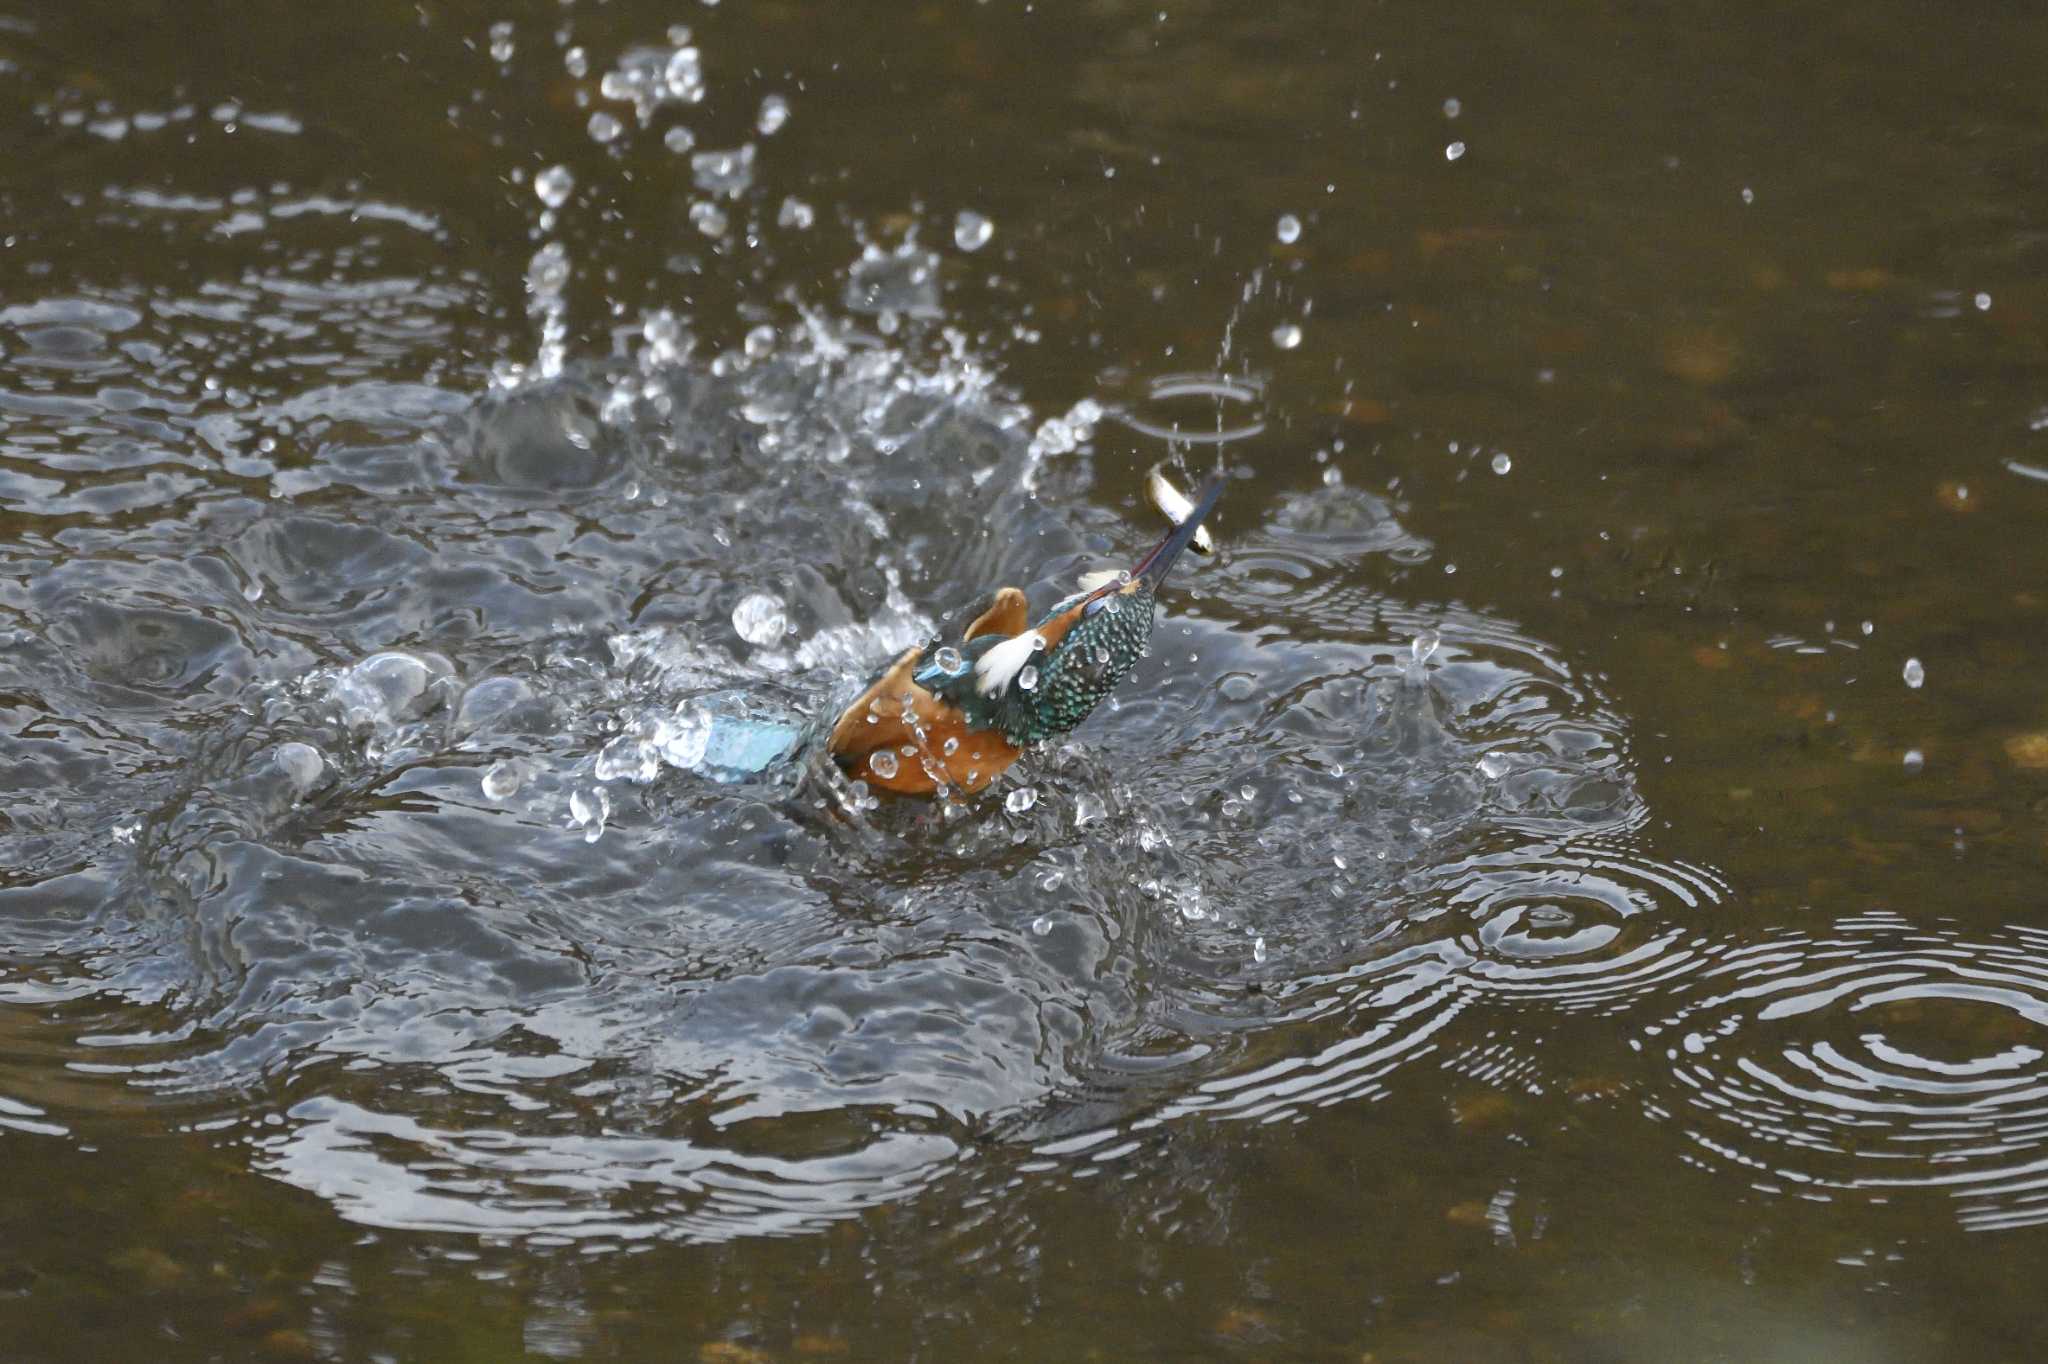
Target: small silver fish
{"type": "Point", "coordinates": [1177, 506]}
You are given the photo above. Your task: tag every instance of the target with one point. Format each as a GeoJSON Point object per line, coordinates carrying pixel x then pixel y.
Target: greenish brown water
{"type": "Point", "coordinates": [1520, 910]}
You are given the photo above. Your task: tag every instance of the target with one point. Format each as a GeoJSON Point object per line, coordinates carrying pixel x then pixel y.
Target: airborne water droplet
{"type": "Point", "coordinates": [553, 185]}
{"type": "Point", "coordinates": [774, 113]}
{"type": "Point", "coordinates": [1020, 800]}
{"type": "Point", "coordinates": [948, 660]}
{"type": "Point", "coordinates": [971, 230]}
{"type": "Point", "coordinates": [1027, 678]}
{"type": "Point", "coordinates": [759, 618]}
{"type": "Point", "coordinates": [882, 763]}
{"type": "Point", "coordinates": [1287, 336]}
{"type": "Point", "coordinates": [1288, 229]}
{"type": "Point", "coordinates": [1454, 151]}
{"type": "Point", "coordinates": [1501, 463]}
{"type": "Point", "coordinates": [1914, 673]}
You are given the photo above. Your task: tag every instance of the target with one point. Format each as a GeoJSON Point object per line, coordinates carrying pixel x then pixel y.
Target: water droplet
{"type": "Point", "coordinates": [1258, 949]}
{"type": "Point", "coordinates": [759, 618]}
{"type": "Point", "coordinates": [1288, 229]}
{"type": "Point", "coordinates": [950, 747]}
{"type": "Point", "coordinates": [1248, 791]}
{"type": "Point", "coordinates": [501, 779]}
{"type": "Point", "coordinates": [971, 230]}
{"type": "Point", "coordinates": [1748, 195]}
{"type": "Point", "coordinates": [553, 185]}
{"type": "Point", "coordinates": [502, 46]}
{"type": "Point", "coordinates": [1287, 336]}
{"type": "Point", "coordinates": [679, 139]}
{"type": "Point", "coordinates": [589, 811]}
{"type": "Point", "coordinates": [1454, 151]}
{"type": "Point", "coordinates": [604, 127]}
{"type": "Point", "coordinates": [1914, 673]}
{"type": "Point", "coordinates": [1452, 108]}
{"type": "Point", "coordinates": [1869, 627]}
{"type": "Point", "coordinates": [1983, 302]}
{"type": "Point", "coordinates": [948, 660]}
{"type": "Point", "coordinates": [1041, 925]}
{"type": "Point", "coordinates": [882, 763]}
{"type": "Point", "coordinates": [1915, 760]}
{"type": "Point", "coordinates": [1027, 678]}
{"type": "Point", "coordinates": [709, 218]}
{"type": "Point", "coordinates": [1501, 463]}
{"type": "Point", "coordinates": [1020, 800]}
{"type": "Point", "coordinates": [774, 113]}
{"type": "Point", "coordinates": [1088, 808]}
{"type": "Point", "coordinates": [576, 61]}
{"type": "Point", "coordinates": [1423, 646]}
{"type": "Point", "coordinates": [1493, 767]}
{"type": "Point", "coordinates": [760, 341]}
{"type": "Point", "coordinates": [795, 213]}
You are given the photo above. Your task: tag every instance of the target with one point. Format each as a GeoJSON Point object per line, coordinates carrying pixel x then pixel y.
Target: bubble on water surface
{"type": "Point", "coordinates": [1020, 800]}
{"type": "Point", "coordinates": [1914, 674]}
{"type": "Point", "coordinates": [501, 779]}
{"type": "Point", "coordinates": [1287, 335]}
{"type": "Point", "coordinates": [554, 185]}
{"type": "Point", "coordinates": [1288, 229]}
{"type": "Point", "coordinates": [387, 688]}
{"type": "Point", "coordinates": [1041, 925]}
{"type": "Point", "coordinates": [301, 765]}
{"type": "Point", "coordinates": [971, 231]}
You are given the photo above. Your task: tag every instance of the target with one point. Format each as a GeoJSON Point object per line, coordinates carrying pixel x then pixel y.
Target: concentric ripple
{"type": "Point", "coordinates": [1879, 1059]}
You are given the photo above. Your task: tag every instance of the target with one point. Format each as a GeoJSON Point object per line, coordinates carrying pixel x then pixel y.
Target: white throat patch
{"type": "Point", "coordinates": [996, 669]}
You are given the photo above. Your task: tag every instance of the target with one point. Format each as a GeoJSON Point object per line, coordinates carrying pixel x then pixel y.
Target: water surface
{"type": "Point", "coordinates": [1563, 884]}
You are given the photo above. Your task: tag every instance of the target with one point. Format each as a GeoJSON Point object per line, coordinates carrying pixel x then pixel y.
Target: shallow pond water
{"type": "Point", "coordinates": [1563, 884]}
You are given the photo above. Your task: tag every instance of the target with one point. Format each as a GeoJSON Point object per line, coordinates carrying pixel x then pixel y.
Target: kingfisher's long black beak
{"type": "Point", "coordinates": [1153, 568]}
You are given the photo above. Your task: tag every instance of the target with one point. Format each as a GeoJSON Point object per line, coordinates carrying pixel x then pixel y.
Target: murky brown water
{"type": "Point", "coordinates": [1566, 884]}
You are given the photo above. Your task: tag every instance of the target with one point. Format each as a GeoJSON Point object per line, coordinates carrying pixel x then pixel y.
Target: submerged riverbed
{"type": "Point", "coordinates": [1565, 882]}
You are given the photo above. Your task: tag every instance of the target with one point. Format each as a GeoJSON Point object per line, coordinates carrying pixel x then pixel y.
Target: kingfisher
{"type": "Point", "coordinates": [956, 717]}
